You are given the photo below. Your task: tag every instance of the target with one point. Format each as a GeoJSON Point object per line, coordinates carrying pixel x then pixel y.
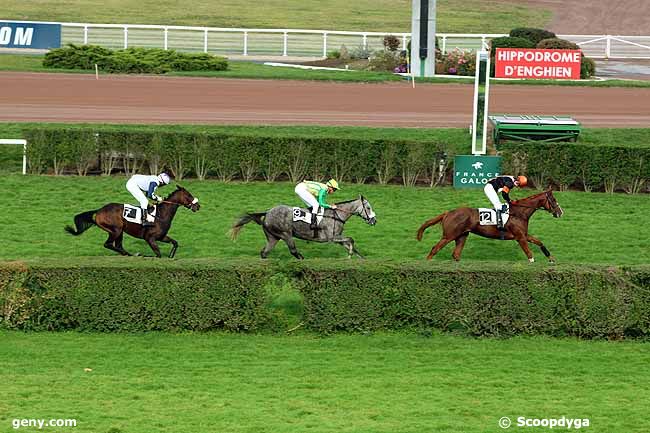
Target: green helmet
{"type": "Point", "coordinates": [332, 183]}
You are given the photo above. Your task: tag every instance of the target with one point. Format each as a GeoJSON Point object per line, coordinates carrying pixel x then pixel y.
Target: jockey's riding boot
{"type": "Point", "coordinates": [148, 220]}
{"type": "Point", "coordinates": [314, 222]}
{"type": "Point", "coordinates": [500, 226]}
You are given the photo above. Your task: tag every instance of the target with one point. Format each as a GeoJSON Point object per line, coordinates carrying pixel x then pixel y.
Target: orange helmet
{"type": "Point", "coordinates": [522, 181]}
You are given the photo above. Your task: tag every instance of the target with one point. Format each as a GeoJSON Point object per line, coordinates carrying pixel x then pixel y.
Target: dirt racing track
{"type": "Point", "coordinates": [33, 97]}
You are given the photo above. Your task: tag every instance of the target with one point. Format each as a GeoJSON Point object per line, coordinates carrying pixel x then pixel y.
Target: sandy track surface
{"type": "Point", "coordinates": [32, 97]}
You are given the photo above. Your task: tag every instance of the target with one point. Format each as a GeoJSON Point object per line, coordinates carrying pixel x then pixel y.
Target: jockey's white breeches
{"type": "Point", "coordinates": [134, 189]}
{"type": "Point", "coordinates": [492, 196]}
{"type": "Point", "coordinates": [307, 197]}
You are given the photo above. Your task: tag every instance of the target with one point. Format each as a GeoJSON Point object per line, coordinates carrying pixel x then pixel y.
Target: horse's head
{"type": "Point", "coordinates": [551, 205]}
{"type": "Point", "coordinates": [184, 198]}
{"type": "Point", "coordinates": [364, 210]}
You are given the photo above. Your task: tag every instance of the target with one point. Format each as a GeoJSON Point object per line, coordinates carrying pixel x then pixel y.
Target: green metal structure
{"type": "Point", "coordinates": [523, 127]}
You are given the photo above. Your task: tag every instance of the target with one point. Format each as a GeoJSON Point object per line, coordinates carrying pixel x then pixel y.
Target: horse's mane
{"type": "Point", "coordinates": [346, 201]}
{"type": "Point", "coordinates": [529, 197]}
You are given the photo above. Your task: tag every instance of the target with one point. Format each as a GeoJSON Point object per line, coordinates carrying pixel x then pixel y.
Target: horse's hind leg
{"type": "Point", "coordinates": [118, 245]}
{"type": "Point", "coordinates": [539, 243]}
{"type": "Point", "coordinates": [292, 247]}
{"type": "Point", "coordinates": [270, 243]}
{"type": "Point", "coordinates": [437, 247]}
{"type": "Point", "coordinates": [460, 243]}
{"type": "Point", "coordinates": [154, 246]}
{"type": "Point", "coordinates": [172, 252]}
{"type": "Point", "coordinates": [110, 242]}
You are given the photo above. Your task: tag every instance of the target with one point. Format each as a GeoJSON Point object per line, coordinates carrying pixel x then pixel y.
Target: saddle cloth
{"type": "Point", "coordinates": [488, 217]}
{"type": "Point", "coordinates": [304, 215]}
{"type": "Point", "coordinates": [133, 214]}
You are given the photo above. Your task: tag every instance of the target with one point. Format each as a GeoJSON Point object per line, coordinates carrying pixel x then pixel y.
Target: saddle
{"type": "Point", "coordinates": [488, 217]}
{"type": "Point", "coordinates": [304, 215]}
{"type": "Point", "coordinates": [133, 214]}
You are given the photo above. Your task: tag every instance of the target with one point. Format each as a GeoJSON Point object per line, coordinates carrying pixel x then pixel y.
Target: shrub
{"type": "Point", "coordinates": [587, 67]}
{"type": "Point", "coordinates": [459, 62]}
{"type": "Point", "coordinates": [391, 42]}
{"type": "Point", "coordinates": [532, 34]}
{"type": "Point", "coordinates": [360, 53]}
{"type": "Point", "coordinates": [384, 60]}
{"type": "Point", "coordinates": [509, 42]}
{"type": "Point", "coordinates": [557, 44]}
{"type": "Point", "coordinates": [131, 60]}
{"type": "Point", "coordinates": [333, 54]}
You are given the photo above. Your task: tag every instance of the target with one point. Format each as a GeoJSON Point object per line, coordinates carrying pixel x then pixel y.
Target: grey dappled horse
{"type": "Point", "coordinates": [278, 223]}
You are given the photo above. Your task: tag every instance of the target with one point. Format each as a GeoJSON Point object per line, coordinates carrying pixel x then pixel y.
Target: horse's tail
{"type": "Point", "coordinates": [258, 217]}
{"type": "Point", "coordinates": [82, 222]}
{"type": "Point", "coordinates": [429, 223]}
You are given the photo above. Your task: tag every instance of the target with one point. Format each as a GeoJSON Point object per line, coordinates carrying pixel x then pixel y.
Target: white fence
{"type": "Point", "coordinates": [307, 43]}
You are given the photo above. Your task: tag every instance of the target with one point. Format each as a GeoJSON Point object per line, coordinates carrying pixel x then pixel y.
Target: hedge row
{"type": "Point", "coordinates": [491, 300]}
{"type": "Point", "coordinates": [131, 60]}
{"type": "Point", "coordinates": [567, 165]}
{"type": "Point", "coordinates": [227, 157]}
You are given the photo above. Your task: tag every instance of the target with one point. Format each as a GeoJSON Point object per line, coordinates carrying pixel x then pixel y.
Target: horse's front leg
{"type": "Point", "coordinates": [539, 243]}
{"type": "Point", "coordinates": [172, 252]}
{"type": "Point", "coordinates": [523, 243]}
{"type": "Point", "coordinates": [151, 240]}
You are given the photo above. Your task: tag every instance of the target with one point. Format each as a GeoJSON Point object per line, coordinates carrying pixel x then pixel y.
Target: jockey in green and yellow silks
{"type": "Point", "coordinates": [314, 194]}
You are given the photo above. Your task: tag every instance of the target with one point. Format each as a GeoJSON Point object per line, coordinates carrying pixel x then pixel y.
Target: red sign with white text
{"type": "Point", "coordinates": [537, 64]}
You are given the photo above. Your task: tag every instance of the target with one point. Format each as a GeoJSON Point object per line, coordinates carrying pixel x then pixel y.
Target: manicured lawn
{"type": "Point", "coordinates": [454, 16]}
{"type": "Point", "coordinates": [300, 383]}
{"type": "Point", "coordinates": [596, 228]}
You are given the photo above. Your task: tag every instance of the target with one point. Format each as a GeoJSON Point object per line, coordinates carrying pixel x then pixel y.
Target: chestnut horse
{"type": "Point", "coordinates": [459, 223]}
{"type": "Point", "coordinates": [109, 218]}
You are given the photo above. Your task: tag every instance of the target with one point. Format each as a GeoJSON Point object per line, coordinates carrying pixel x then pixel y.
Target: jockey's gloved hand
{"type": "Point", "coordinates": [159, 199]}
{"type": "Point", "coordinates": [504, 207]}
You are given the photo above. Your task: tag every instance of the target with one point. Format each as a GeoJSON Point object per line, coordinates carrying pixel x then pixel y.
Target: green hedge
{"type": "Point", "coordinates": [534, 35]}
{"type": "Point", "coordinates": [564, 165]}
{"type": "Point", "coordinates": [131, 60]}
{"type": "Point", "coordinates": [226, 157]}
{"type": "Point", "coordinates": [483, 299]}
{"type": "Point", "coordinates": [130, 298]}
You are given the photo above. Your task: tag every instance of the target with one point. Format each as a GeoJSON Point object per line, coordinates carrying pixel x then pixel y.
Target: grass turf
{"type": "Point", "coordinates": [597, 228]}
{"type": "Point", "coordinates": [345, 383]}
{"type": "Point", "coordinates": [250, 70]}
{"type": "Point", "coordinates": [454, 16]}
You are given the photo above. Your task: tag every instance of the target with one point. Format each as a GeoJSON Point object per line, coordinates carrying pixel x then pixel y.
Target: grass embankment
{"type": "Point", "coordinates": [454, 16]}
{"type": "Point", "coordinates": [596, 228]}
{"type": "Point", "coordinates": [249, 70]}
{"type": "Point", "coordinates": [346, 383]}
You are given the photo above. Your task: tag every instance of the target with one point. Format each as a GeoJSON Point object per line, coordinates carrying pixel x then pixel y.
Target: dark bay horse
{"type": "Point", "coordinates": [110, 219]}
{"type": "Point", "coordinates": [278, 224]}
{"type": "Point", "coordinates": [459, 223]}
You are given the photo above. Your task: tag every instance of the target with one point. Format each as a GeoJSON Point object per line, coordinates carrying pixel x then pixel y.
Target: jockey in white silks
{"type": "Point", "coordinates": [503, 185]}
{"type": "Point", "coordinates": [143, 187]}
{"type": "Point", "coordinates": [313, 194]}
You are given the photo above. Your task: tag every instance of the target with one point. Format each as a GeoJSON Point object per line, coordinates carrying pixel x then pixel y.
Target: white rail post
{"type": "Point", "coordinates": [403, 42]}
{"type": "Point", "coordinates": [245, 43]}
{"type": "Point", "coordinates": [444, 45]}
{"type": "Point", "coordinates": [126, 37]}
{"type": "Point", "coordinates": [205, 40]}
{"type": "Point", "coordinates": [85, 35]}
{"type": "Point", "coordinates": [284, 44]}
{"type": "Point", "coordinates": [324, 44]}
{"type": "Point", "coordinates": [365, 41]}
{"type": "Point", "coordinates": [483, 45]}
{"type": "Point", "coordinates": [166, 38]}
{"type": "Point", "coordinates": [608, 47]}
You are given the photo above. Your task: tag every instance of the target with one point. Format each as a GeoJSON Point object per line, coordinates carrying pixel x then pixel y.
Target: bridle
{"type": "Point", "coordinates": [548, 200]}
{"type": "Point", "coordinates": [187, 206]}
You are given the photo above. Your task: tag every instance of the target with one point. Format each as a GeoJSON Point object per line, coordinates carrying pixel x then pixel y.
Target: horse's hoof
{"type": "Point", "coordinates": [531, 260]}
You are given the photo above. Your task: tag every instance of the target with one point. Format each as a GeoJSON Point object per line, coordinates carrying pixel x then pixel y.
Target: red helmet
{"type": "Point", "coordinates": [522, 180]}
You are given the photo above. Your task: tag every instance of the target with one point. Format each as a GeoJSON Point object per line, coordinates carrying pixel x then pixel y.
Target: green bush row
{"type": "Point", "coordinates": [485, 299]}
{"type": "Point", "coordinates": [227, 157]}
{"type": "Point", "coordinates": [566, 165]}
{"type": "Point", "coordinates": [129, 298]}
{"type": "Point", "coordinates": [131, 60]}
